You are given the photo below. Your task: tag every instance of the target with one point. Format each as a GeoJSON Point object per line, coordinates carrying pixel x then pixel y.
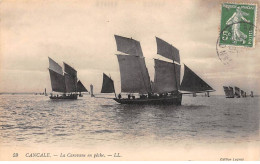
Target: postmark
{"type": "Point", "coordinates": [238, 24]}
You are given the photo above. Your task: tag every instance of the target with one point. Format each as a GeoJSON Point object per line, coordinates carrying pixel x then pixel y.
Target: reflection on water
{"type": "Point", "coordinates": [90, 121]}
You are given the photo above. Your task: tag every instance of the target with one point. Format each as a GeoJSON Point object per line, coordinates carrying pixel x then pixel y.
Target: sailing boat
{"type": "Point", "coordinates": [135, 77]}
{"type": "Point", "coordinates": [237, 92]}
{"type": "Point", "coordinates": [252, 94]}
{"type": "Point", "coordinates": [229, 92]}
{"type": "Point", "coordinates": [81, 88]}
{"type": "Point", "coordinates": [65, 83]}
{"type": "Point", "coordinates": [108, 85]}
{"type": "Point", "coordinates": [45, 93]}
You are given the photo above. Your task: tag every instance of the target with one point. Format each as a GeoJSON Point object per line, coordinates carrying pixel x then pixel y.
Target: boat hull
{"type": "Point", "coordinates": [154, 101]}
{"type": "Point", "coordinates": [65, 97]}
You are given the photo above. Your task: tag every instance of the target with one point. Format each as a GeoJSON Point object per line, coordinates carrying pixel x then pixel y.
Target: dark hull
{"type": "Point", "coordinates": [154, 101]}
{"type": "Point", "coordinates": [230, 97]}
{"type": "Point", "coordinates": [65, 97]}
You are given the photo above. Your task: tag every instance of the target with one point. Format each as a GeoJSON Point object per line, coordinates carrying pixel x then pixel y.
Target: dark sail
{"type": "Point", "coordinates": [164, 78]}
{"type": "Point", "coordinates": [108, 85]}
{"type": "Point", "coordinates": [70, 83]}
{"type": "Point", "coordinates": [132, 79]}
{"type": "Point", "coordinates": [128, 46]}
{"type": "Point", "coordinates": [193, 83]}
{"type": "Point", "coordinates": [81, 87]}
{"type": "Point", "coordinates": [167, 50]}
{"type": "Point", "coordinates": [237, 92]}
{"type": "Point", "coordinates": [57, 81]}
{"type": "Point", "coordinates": [226, 90]}
{"type": "Point", "coordinates": [70, 78]}
{"type": "Point", "coordinates": [231, 91]}
{"type": "Point", "coordinates": [69, 70]}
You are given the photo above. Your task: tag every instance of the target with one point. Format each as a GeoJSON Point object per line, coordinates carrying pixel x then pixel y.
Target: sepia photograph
{"type": "Point", "coordinates": [129, 80]}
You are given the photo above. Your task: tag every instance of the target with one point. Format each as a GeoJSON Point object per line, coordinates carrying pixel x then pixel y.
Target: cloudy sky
{"type": "Point", "coordinates": [81, 33]}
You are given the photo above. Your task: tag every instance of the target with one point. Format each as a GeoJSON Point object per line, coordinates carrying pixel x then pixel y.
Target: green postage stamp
{"type": "Point", "coordinates": [238, 23]}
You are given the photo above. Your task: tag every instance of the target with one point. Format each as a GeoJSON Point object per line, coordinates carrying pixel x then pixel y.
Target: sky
{"type": "Point", "coordinates": [81, 33]}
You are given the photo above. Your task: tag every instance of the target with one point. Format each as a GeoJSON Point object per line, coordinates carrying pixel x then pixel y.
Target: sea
{"type": "Point", "coordinates": [31, 120]}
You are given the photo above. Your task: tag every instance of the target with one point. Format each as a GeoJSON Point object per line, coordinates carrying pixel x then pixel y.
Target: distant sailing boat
{"type": "Point", "coordinates": [81, 88]}
{"type": "Point", "coordinates": [252, 94]}
{"type": "Point", "coordinates": [91, 90]}
{"type": "Point", "coordinates": [237, 92]}
{"type": "Point", "coordinates": [45, 93]}
{"type": "Point", "coordinates": [166, 85]}
{"type": "Point", "coordinates": [107, 85]}
{"type": "Point", "coordinates": [65, 83]}
{"type": "Point", "coordinates": [229, 92]}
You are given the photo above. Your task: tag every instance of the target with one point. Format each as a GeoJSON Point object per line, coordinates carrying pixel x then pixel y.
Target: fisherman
{"type": "Point", "coordinates": [129, 96]}
{"type": "Point", "coordinates": [119, 96]}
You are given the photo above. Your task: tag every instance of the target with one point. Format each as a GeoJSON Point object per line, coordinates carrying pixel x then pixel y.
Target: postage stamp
{"type": "Point", "coordinates": [238, 24]}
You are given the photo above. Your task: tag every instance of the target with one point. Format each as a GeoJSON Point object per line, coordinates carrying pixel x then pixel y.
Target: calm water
{"type": "Point", "coordinates": [30, 119]}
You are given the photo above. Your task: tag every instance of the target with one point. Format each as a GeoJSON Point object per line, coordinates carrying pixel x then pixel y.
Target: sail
{"type": "Point", "coordinates": [132, 78]}
{"type": "Point", "coordinates": [55, 66]}
{"type": "Point", "coordinates": [70, 83]}
{"type": "Point", "coordinates": [227, 91]}
{"type": "Point", "coordinates": [57, 81]}
{"type": "Point", "coordinates": [69, 70]}
{"type": "Point", "coordinates": [164, 79]}
{"type": "Point", "coordinates": [145, 74]}
{"type": "Point", "coordinates": [242, 93]}
{"type": "Point", "coordinates": [128, 46]}
{"type": "Point", "coordinates": [252, 94]}
{"type": "Point", "coordinates": [81, 87]}
{"type": "Point", "coordinates": [108, 85]}
{"type": "Point", "coordinates": [192, 82]}
{"type": "Point", "coordinates": [167, 50]}
{"type": "Point", "coordinates": [237, 91]}
{"type": "Point", "coordinates": [231, 91]}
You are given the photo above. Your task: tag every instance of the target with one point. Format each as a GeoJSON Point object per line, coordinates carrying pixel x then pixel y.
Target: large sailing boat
{"type": "Point", "coordinates": [63, 83]}
{"type": "Point", "coordinates": [166, 85]}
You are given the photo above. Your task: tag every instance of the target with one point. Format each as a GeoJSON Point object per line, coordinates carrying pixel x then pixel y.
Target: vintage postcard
{"type": "Point", "coordinates": [129, 80]}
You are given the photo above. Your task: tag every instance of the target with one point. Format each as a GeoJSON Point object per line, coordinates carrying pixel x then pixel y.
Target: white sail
{"type": "Point", "coordinates": [165, 77]}
{"type": "Point", "coordinates": [132, 78]}
{"type": "Point", "coordinates": [55, 66]}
